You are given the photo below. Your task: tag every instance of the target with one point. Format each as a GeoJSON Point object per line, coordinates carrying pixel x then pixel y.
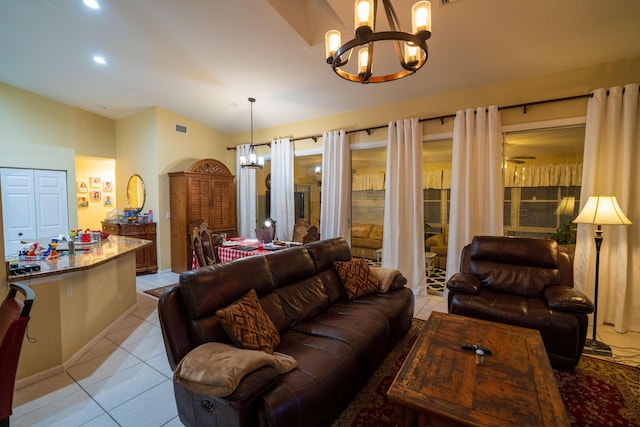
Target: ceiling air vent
{"type": "Point", "coordinates": [181, 129]}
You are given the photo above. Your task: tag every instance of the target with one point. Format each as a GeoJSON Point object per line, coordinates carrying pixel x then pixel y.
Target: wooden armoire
{"type": "Point", "coordinates": [205, 192]}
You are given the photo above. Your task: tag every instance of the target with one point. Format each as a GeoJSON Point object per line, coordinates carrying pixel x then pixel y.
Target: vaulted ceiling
{"type": "Point", "coordinates": [203, 59]}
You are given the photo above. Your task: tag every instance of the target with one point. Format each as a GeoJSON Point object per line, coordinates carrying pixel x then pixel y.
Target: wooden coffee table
{"type": "Point", "coordinates": [440, 383]}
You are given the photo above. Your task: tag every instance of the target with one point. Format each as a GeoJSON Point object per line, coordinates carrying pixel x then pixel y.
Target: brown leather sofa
{"type": "Point", "coordinates": [523, 282]}
{"type": "Point", "coordinates": [337, 342]}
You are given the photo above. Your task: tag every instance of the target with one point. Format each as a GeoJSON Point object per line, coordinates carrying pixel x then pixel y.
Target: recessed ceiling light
{"type": "Point", "coordinates": [93, 4]}
{"type": "Point", "coordinates": [99, 59]}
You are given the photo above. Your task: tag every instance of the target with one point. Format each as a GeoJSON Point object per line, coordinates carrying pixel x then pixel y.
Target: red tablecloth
{"type": "Point", "coordinates": [229, 253]}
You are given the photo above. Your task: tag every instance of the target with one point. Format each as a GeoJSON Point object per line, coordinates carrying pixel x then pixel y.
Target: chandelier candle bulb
{"type": "Point", "coordinates": [332, 42]}
{"type": "Point", "coordinates": [421, 17]}
{"type": "Point", "coordinates": [364, 15]}
{"type": "Point", "coordinates": [411, 54]}
{"type": "Point", "coordinates": [363, 60]}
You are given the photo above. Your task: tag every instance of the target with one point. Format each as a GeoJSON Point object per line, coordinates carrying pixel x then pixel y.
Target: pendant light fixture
{"type": "Point", "coordinates": [253, 161]}
{"type": "Point", "coordinates": [411, 48]}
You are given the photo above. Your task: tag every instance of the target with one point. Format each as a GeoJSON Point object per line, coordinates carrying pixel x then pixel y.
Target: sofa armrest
{"type": "Point", "coordinates": [565, 298]}
{"type": "Point", "coordinates": [239, 409]}
{"type": "Point", "coordinates": [465, 283]}
{"type": "Point", "coordinates": [252, 386]}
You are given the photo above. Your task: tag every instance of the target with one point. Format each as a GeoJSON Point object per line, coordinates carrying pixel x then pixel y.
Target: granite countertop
{"type": "Point", "coordinates": [96, 254]}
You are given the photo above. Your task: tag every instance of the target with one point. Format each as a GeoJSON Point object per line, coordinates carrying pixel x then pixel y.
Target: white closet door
{"type": "Point", "coordinates": [18, 208]}
{"type": "Point", "coordinates": [50, 192]}
{"type": "Point", "coordinates": [34, 206]}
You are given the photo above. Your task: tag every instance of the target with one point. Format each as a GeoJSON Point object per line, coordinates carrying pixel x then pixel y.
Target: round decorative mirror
{"type": "Point", "coordinates": [136, 193]}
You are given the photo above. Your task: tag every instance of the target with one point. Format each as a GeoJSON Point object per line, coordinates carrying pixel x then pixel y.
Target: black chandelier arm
{"type": "Point", "coordinates": [392, 18]}
{"type": "Point", "coordinates": [369, 38]}
{"type": "Point", "coordinates": [417, 39]}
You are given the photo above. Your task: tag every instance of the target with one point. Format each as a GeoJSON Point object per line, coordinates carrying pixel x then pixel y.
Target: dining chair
{"type": "Point", "coordinates": [14, 317]}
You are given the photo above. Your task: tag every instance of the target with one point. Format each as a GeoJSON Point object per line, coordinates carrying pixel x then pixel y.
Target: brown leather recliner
{"type": "Point", "coordinates": [523, 282]}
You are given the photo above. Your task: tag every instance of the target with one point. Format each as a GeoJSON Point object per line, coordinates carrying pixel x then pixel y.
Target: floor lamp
{"type": "Point", "coordinates": [600, 210]}
{"type": "Point", "coordinates": [271, 223]}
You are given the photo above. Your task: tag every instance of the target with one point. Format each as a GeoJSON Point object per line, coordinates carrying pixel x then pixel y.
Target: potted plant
{"type": "Point", "coordinates": [565, 235]}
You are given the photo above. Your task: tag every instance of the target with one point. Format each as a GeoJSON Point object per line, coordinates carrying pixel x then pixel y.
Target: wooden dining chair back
{"type": "Point", "coordinates": [205, 245]}
{"type": "Point", "coordinates": [312, 235]}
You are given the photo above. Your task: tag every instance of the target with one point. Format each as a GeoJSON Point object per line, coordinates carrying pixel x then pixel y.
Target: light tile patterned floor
{"type": "Point", "coordinates": [125, 380]}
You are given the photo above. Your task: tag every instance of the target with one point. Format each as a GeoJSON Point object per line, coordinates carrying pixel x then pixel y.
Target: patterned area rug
{"type": "Point", "coordinates": [435, 281]}
{"type": "Point", "coordinates": [598, 393]}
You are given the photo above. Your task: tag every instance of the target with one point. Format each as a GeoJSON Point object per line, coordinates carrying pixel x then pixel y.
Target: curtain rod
{"type": "Point", "coordinates": [369, 130]}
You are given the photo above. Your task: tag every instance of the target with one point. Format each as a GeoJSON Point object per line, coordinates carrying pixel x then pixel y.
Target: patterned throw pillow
{"type": "Point", "coordinates": [356, 277]}
{"type": "Point", "coordinates": [248, 325]}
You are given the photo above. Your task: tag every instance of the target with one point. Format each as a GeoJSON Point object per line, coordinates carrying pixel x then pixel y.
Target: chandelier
{"type": "Point", "coordinates": [411, 58]}
{"type": "Point", "coordinates": [253, 161]}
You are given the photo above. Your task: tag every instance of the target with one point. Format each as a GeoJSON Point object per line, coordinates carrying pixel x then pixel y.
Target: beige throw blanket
{"type": "Point", "coordinates": [216, 369]}
{"type": "Point", "coordinates": [385, 276]}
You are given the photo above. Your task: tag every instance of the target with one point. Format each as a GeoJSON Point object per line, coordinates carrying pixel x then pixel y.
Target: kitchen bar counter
{"type": "Point", "coordinates": [77, 299]}
{"type": "Point", "coordinates": [86, 256]}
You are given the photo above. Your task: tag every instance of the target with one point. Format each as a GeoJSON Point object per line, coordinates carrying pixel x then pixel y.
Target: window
{"type": "Point", "coordinates": [307, 187]}
{"type": "Point", "coordinates": [368, 175]}
{"type": "Point", "coordinates": [542, 180]}
{"type": "Point", "coordinates": [437, 157]}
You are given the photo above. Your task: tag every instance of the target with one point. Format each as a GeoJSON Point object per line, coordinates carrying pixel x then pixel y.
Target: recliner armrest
{"type": "Point", "coordinates": [565, 298]}
{"type": "Point", "coordinates": [465, 283]}
{"type": "Point", "coordinates": [252, 386]}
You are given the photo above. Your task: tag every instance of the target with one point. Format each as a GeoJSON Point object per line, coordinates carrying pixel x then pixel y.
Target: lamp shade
{"type": "Point", "coordinates": [602, 210]}
{"type": "Point", "coordinates": [566, 206]}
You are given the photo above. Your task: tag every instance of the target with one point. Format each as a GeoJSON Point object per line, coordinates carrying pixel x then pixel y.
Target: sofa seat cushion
{"type": "Point", "coordinates": [365, 330]}
{"type": "Point", "coordinates": [366, 243]}
{"type": "Point", "coordinates": [324, 378]}
{"type": "Point", "coordinates": [558, 329]}
{"type": "Point", "coordinates": [396, 307]}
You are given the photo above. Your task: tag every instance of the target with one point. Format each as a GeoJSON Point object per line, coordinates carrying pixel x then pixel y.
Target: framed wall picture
{"type": "Point", "coordinates": [107, 201]}
{"type": "Point", "coordinates": [96, 196]}
{"type": "Point", "coordinates": [107, 186]}
{"type": "Point", "coordinates": [81, 187]}
{"type": "Point", "coordinates": [95, 182]}
{"type": "Point", "coordinates": [83, 202]}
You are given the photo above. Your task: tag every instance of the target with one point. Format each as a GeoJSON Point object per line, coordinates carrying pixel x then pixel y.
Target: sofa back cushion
{"type": "Point", "coordinates": [324, 253]}
{"type": "Point", "coordinates": [299, 288]}
{"type": "Point", "coordinates": [518, 266]}
{"type": "Point", "coordinates": [208, 289]}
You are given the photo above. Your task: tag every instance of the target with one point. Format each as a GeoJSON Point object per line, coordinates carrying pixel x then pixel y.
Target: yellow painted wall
{"type": "Point", "coordinates": [105, 169]}
{"type": "Point", "coordinates": [32, 119]}
{"type": "Point", "coordinates": [177, 152]}
{"type": "Point", "coordinates": [147, 144]}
